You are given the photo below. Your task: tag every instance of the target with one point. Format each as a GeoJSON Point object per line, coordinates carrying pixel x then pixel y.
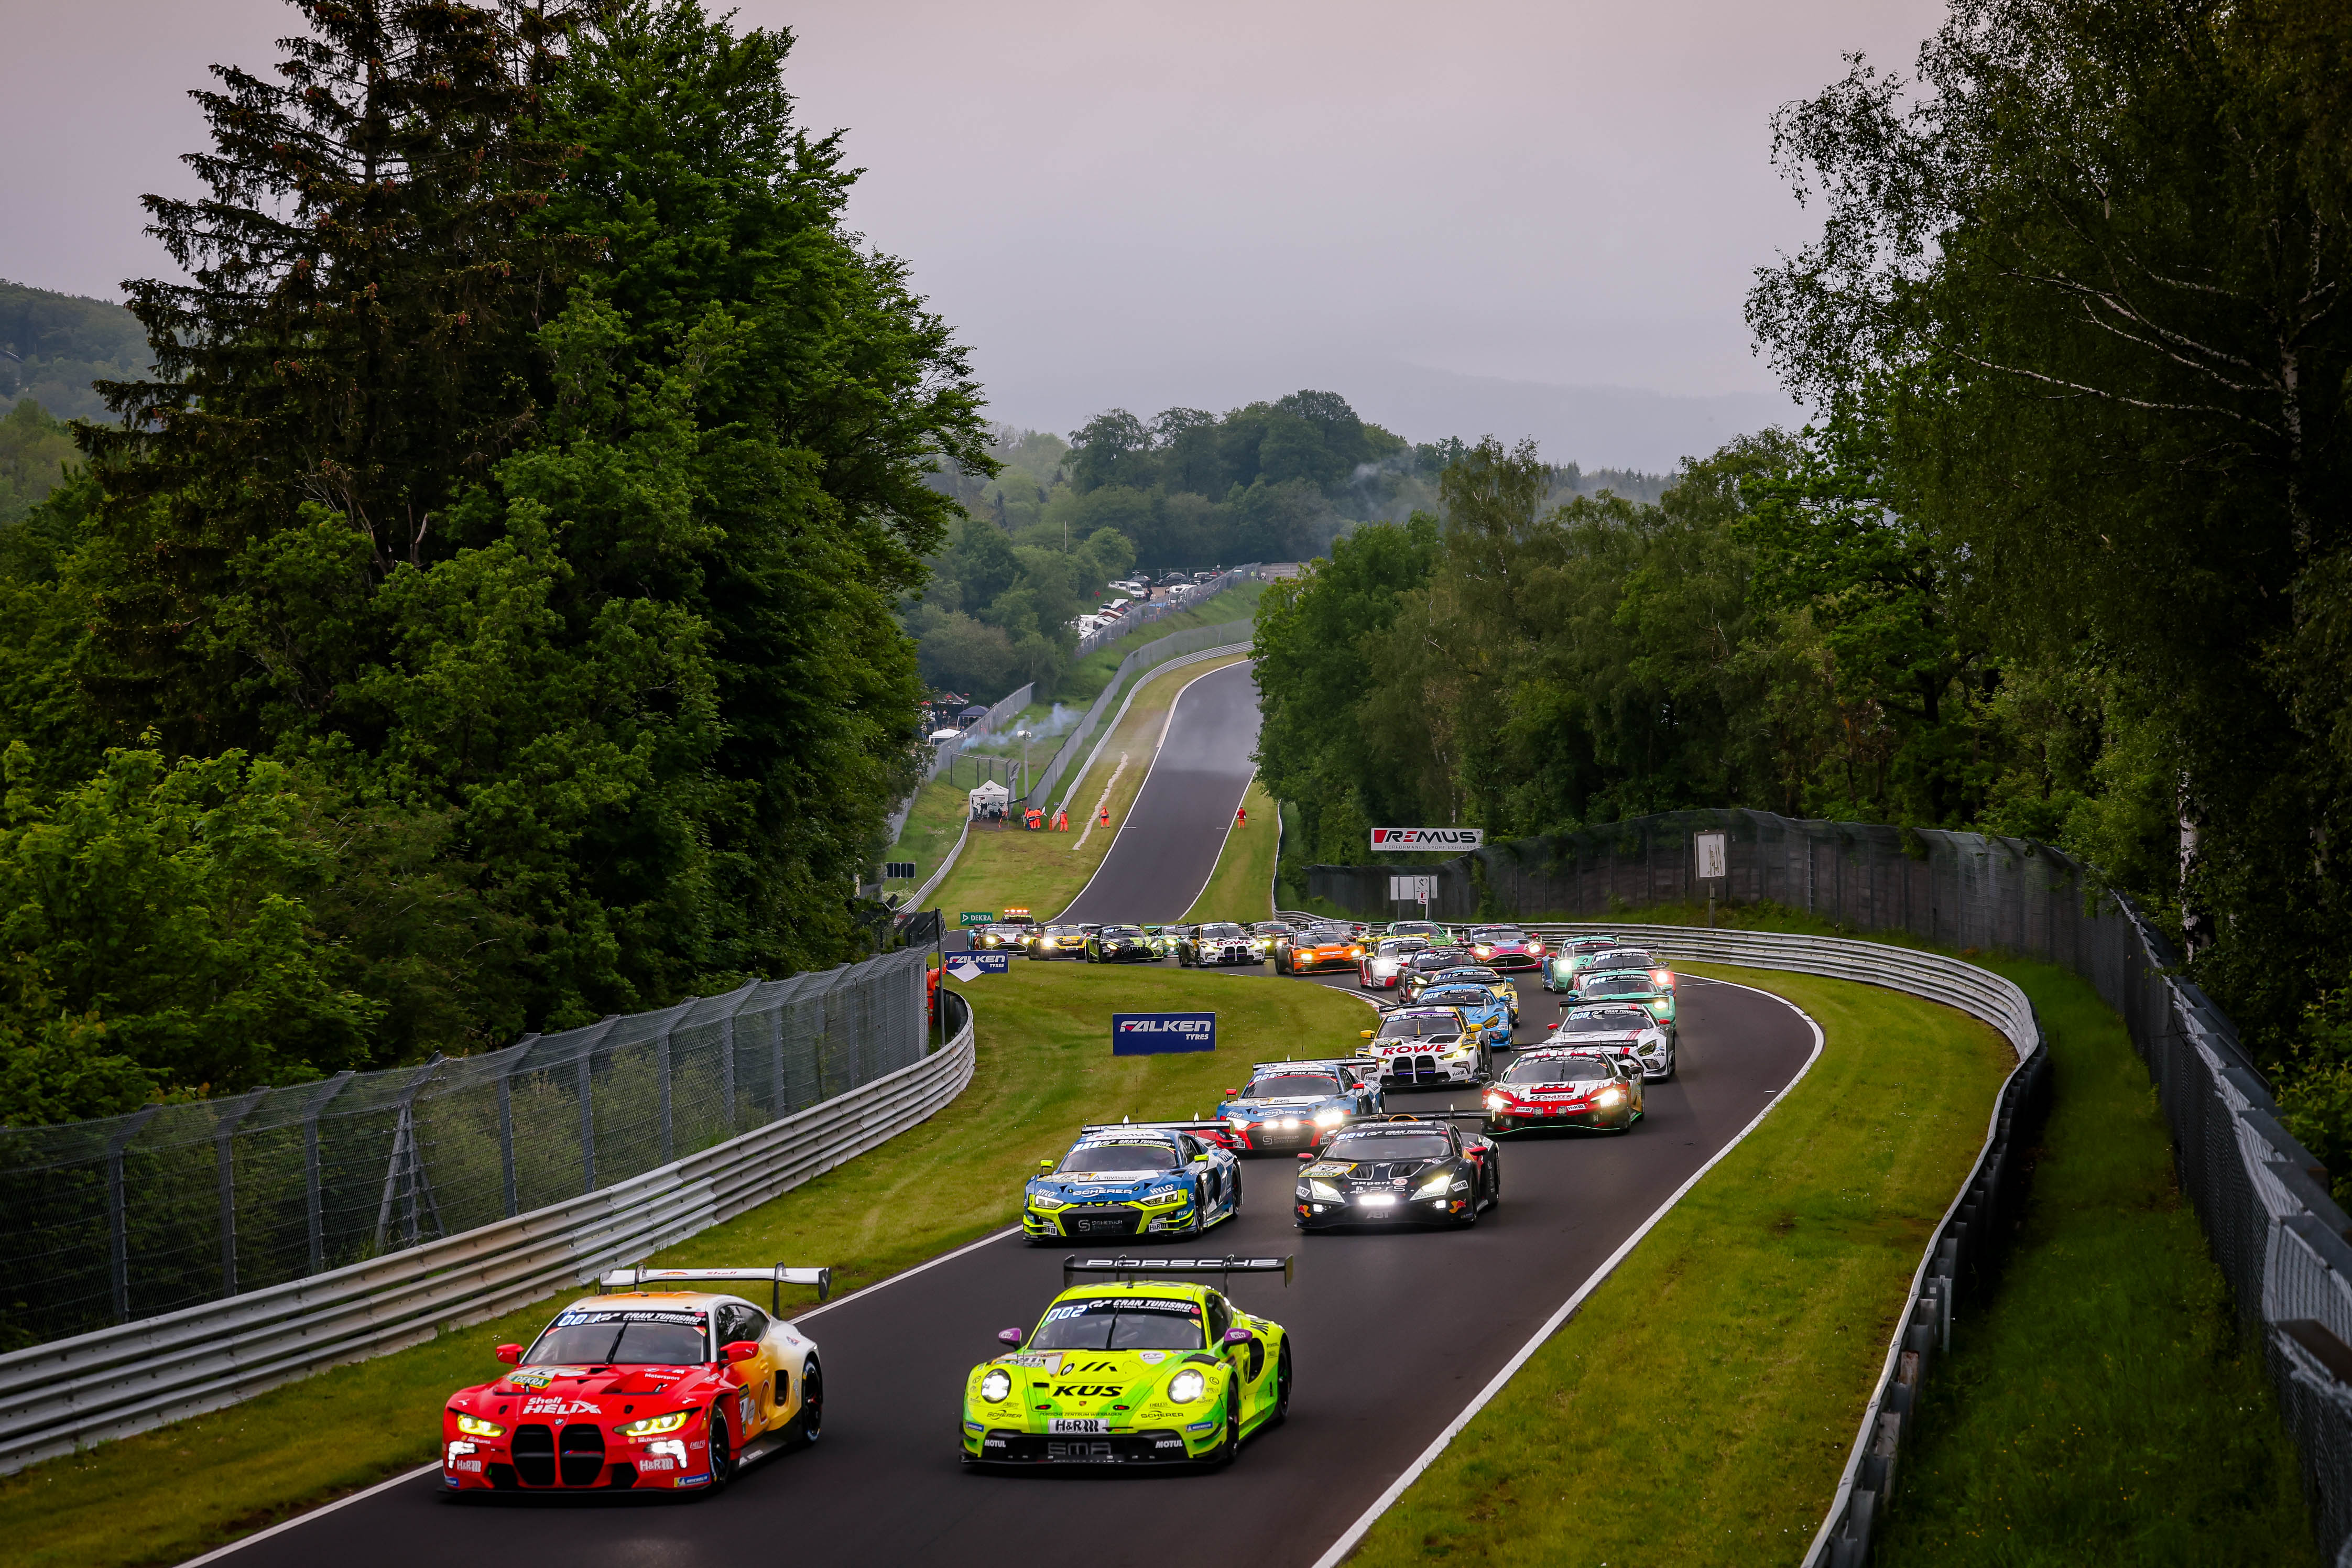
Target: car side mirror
{"type": "Point", "coordinates": [1008, 1337]}
{"type": "Point", "coordinates": [1201, 1159]}
{"type": "Point", "coordinates": [1310, 1156]}
{"type": "Point", "coordinates": [510, 1354]}
{"type": "Point", "coordinates": [1044, 1164]}
{"type": "Point", "coordinates": [1238, 1336]}
{"type": "Point", "coordinates": [741, 1350]}
{"type": "Point", "coordinates": [1363, 1034]}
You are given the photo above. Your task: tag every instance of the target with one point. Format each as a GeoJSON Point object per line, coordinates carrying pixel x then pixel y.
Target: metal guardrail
{"type": "Point", "coordinates": [57, 1398]}
{"type": "Point", "coordinates": [1957, 1251]}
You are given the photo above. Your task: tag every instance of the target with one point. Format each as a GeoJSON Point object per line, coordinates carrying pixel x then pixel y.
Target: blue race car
{"type": "Point", "coordinates": [1488, 1018]}
{"type": "Point", "coordinates": [1135, 1178]}
{"type": "Point", "coordinates": [1298, 1105]}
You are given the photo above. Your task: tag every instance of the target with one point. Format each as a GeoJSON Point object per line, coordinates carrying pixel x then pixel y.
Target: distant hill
{"type": "Point", "coordinates": [52, 346]}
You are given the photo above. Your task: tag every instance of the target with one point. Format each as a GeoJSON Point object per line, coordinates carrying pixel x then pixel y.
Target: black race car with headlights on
{"type": "Point", "coordinates": [1405, 1170]}
{"type": "Point", "coordinates": [1119, 944]}
{"type": "Point", "coordinates": [1573, 1089]}
{"type": "Point", "coordinates": [1215, 944]}
{"type": "Point", "coordinates": [1422, 970]}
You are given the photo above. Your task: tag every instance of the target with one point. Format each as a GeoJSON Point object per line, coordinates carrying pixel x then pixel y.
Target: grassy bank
{"type": "Point", "coordinates": [1699, 1408]}
{"type": "Point", "coordinates": [1044, 1066]}
{"type": "Point", "coordinates": [1011, 867]}
{"type": "Point", "coordinates": [1241, 888]}
{"type": "Point", "coordinates": [931, 830]}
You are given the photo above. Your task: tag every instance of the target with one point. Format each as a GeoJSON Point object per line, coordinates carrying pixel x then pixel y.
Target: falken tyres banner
{"type": "Point", "coordinates": [1154, 1034]}
{"type": "Point", "coordinates": [1452, 840]}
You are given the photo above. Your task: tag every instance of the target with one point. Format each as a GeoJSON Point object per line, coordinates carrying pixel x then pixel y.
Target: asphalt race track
{"type": "Point", "coordinates": [1394, 1331]}
{"type": "Point", "coordinates": [1174, 832]}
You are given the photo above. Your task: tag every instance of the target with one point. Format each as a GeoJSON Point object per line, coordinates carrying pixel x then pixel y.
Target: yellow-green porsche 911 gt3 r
{"type": "Point", "coordinates": [1146, 1368]}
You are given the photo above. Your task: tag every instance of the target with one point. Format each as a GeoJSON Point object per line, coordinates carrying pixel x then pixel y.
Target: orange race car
{"type": "Point", "coordinates": [1317, 948]}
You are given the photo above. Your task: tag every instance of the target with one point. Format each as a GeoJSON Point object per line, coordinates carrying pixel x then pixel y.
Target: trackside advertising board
{"type": "Point", "coordinates": [989, 963]}
{"type": "Point", "coordinates": [1448, 838]}
{"type": "Point", "coordinates": [1154, 1034]}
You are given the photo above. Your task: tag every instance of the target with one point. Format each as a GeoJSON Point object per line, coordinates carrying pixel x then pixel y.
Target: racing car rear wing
{"type": "Point", "coordinates": [778, 1276]}
{"type": "Point", "coordinates": [1132, 1267]}
{"type": "Point", "coordinates": [1202, 1127]}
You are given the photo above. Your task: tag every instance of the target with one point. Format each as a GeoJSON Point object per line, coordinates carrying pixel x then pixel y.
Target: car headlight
{"type": "Point", "coordinates": [1238, 1123]}
{"type": "Point", "coordinates": [1484, 952]}
{"type": "Point", "coordinates": [1329, 1116]}
{"type": "Point", "coordinates": [1187, 1386]}
{"type": "Point", "coordinates": [654, 1424]}
{"type": "Point", "coordinates": [1161, 1199]}
{"type": "Point", "coordinates": [1611, 1095]}
{"type": "Point", "coordinates": [997, 1386]}
{"type": "Point", "coordinates": [1324, 1190]}
{"type": "Point", "coordinates": [1047, 1202]}
{"type": "Point", "coordinates": [475, 1426]}
{"type": "Point", "coordinates": [1497, 1101]}
{"type": "Point", "coordinates": [1435, 1187]}
{"type": "Point", "coordinates": [1384, 966]}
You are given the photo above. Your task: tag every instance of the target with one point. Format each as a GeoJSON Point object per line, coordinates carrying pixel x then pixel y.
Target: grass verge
{"type": "Point", "coordinates": [1044, 1064]}
{"type": "Point", "coordinates": [1012, 867]}
{"type": "Point", "coordinates": [931, 827]}
{"type": "Point", "coordinates": [1242, 886]}
{"type": "Point", "coordinates": [1698, 1407]}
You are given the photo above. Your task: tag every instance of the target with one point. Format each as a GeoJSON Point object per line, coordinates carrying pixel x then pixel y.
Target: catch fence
{"type": "Point", "coordinates": [2281, 1242]}
{"type": "Point", "coordinates": [1150, 656]}
{"type": "Point", "coordinates": [126, 1218]}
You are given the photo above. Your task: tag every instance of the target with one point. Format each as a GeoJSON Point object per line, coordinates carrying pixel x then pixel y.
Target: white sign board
{"type": "Point", "coordinates": [1444, 838]}
{"type": "Point", "coordinates": [1411, 889]}
{"type": "Point", "coordinates": [1713, 859]}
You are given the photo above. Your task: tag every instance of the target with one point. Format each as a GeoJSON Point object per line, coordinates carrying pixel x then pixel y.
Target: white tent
{"type": "Point", "coordinates": [991, 794]}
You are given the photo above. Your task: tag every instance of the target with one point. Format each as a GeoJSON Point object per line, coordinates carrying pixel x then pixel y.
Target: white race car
{"type": "Point", "coordinates": [1432, 1045]}
{"type": "Point", "coordinates": [1620, 1029]}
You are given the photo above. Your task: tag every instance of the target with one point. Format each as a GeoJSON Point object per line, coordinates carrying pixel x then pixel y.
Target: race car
{"type": "Point", "coordinates": [1424, 967]}
{"type": "Point", "coordinates": [1296, 1105]}
{"type": "Point", "coordinates": [1563, 963]}
{"type": "Point", "coordinates": [1137, 1369]}
{"type": "Point", "coordinates": [643, 1390]}
{"type": "Point", "coordinates": [1410, 1169]}
{"type": "Point", "coordinates": [1265, 934]}
{"type": "Point", "coordinates": [1637, 978]}
{"type": "Point", "coordinates": [1480, 1008]}
{"type": "Point", "coordinates": [1119, 944]}
{"type": "Point", "coordinates": [1626, 1029]}
{"type": "Point", "coordinates": [1565, 1088]}
{"type": "Point", "coordinates": [1216, 943]}
{"type": "Point", "coordinates": [1383, 963]}
{"type": "Point", "coordinates": [1506, 947]}
{"type": "Point", "coordinates": [1163, 939]}
{"type": "Point", "coordinates": [1505, 991]}
{"type": "Point", "coordinates": [1323, 947]}
{"type": "Point", "coordinates": [1425, 1046]}
{"type": "Point", "coordinates": [1060, 941]}
{"type": "Point", "coordinates": [1135, 1178]}
{"type": "Point", "coordinates": [1434, 934]}
{"type": "Point", "coordinates": [1012, 930]}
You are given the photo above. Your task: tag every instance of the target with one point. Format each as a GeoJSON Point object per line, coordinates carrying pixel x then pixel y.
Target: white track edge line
{"type": "Point", "coordinates": [324, 1508]}
{"type": "Point", "coordinates": [1357, 1531]}
{"type": "Point", "coordinates": [283, 1525]}
{"type": "Point", "coordinates": [1148, 772]}
{"type": "Point", "coordinates": [1223, 842]}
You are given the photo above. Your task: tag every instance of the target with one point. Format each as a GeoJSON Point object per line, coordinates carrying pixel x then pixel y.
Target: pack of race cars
{"type": "Point", "coordinates": [650, 1387]}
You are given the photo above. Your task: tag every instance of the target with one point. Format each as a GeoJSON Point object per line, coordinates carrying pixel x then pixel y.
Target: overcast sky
{"type": "Point", "coordinates": [1523, 218]}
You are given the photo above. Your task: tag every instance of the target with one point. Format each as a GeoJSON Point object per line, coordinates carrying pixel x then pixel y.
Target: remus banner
{"type": "Point", "coordinates": [1429, 837]}
{"type": "Point", "coordinates": [1153, 1034]}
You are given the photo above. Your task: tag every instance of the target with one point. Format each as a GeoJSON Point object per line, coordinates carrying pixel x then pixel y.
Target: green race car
{"type": "Point", "coordinates": [1629, 975]}
{"type": "Point", "coordinates": [1120, 944]}
{"type": "Point", "coordinates": [1571, 957]}
{"type": "Point", "coordinates": [1132, 1369]}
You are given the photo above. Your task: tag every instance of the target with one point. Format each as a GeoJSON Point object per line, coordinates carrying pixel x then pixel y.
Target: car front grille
{"type": "Point", "coordinates": [1115, 1448]}
{"type": "Point", "coordinates": [1099, 1220]}
{"type": "Point", "coordinates": [534, 1454]}
{"type": "Point", "coordinates": [580, 1453]}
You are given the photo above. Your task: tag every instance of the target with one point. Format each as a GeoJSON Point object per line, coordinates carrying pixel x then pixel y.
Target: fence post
{"type": "Point", "coordinates": [661, 1065]}
{"type": "Point", "coordinates": [510, 1194]}
{"type": "Point", "coordinates": [587, 1123]}
{"type": "Point", "coordinates": [314, 1203]}
{"type": "Point", "coordinates": [225, 1161]}
{"type": "Point", "coordinates": [117, 1219]}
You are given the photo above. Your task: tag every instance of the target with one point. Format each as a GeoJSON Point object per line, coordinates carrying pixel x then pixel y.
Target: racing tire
{"type": "Point", "coordinates": [1465, 1221]}
{"type": "Point", "coordinates": [722, 1454]}
{"type": "Point", "coordinates": [1281, 1386]}
{"type": "Point", "coordinates": [1233, 1443]}
{"type": "Point", "coordinates": [808, 1422]}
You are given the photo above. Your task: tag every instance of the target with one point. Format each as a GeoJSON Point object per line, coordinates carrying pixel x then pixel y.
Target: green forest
{"type": "Point", "coordinates": [1188, 491]}
{"type": "Point", "coordinates": [479, 617]}
{"type": "Point", "coordinates": [55, 348]}
{"type": "Point", "coordinates": [2067, 554]}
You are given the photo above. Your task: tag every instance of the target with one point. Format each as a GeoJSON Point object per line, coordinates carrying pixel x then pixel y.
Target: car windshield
{"type": "Point", "coordinates": [1120, 931]}
{"type": "Point", "coordinates": [1062, 931]}
{"type": "Point", "coordinates": [1397, 947]}
{"type": "Point", "coordinates": [1623, 958]}
{"type": "Point", "coordinates": [1588, 946]}
{"type": "Point", "coordinates": [1615, 1021]}
{"type": "Point", "coordinates": [1129, 1323]}
{"type": "Point", "coordinates": [1432, 962]}
{"type": "Point", "coordinates": [1223, 929]}
{"type": "Point", "coordinates": [1469, 977]}
{"type": "Point", "coordinates": [1421, 1029]}
{"type": "Point", "coordinates": [1326, 937]}
{"type": "Point", "coordinates": [1559, 1069]}
{"type": "Point", "coordinates": [1458, 996]}
{"type": "Point", "coordinates": [620, 1337]}
{"type": "Point", "coordinates": [1498, 933]}
{"type": "Point", "coordinates": [1270, 928]}
{"type": "Point", "coordinates": [1383, 1146]}
{"type": "Point", "coordinates": [1277, 1085]}
{"type": "Point", "coordinates": [1619, 985]}
{"type": "Point", "coordinates": [1088, 1159]}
